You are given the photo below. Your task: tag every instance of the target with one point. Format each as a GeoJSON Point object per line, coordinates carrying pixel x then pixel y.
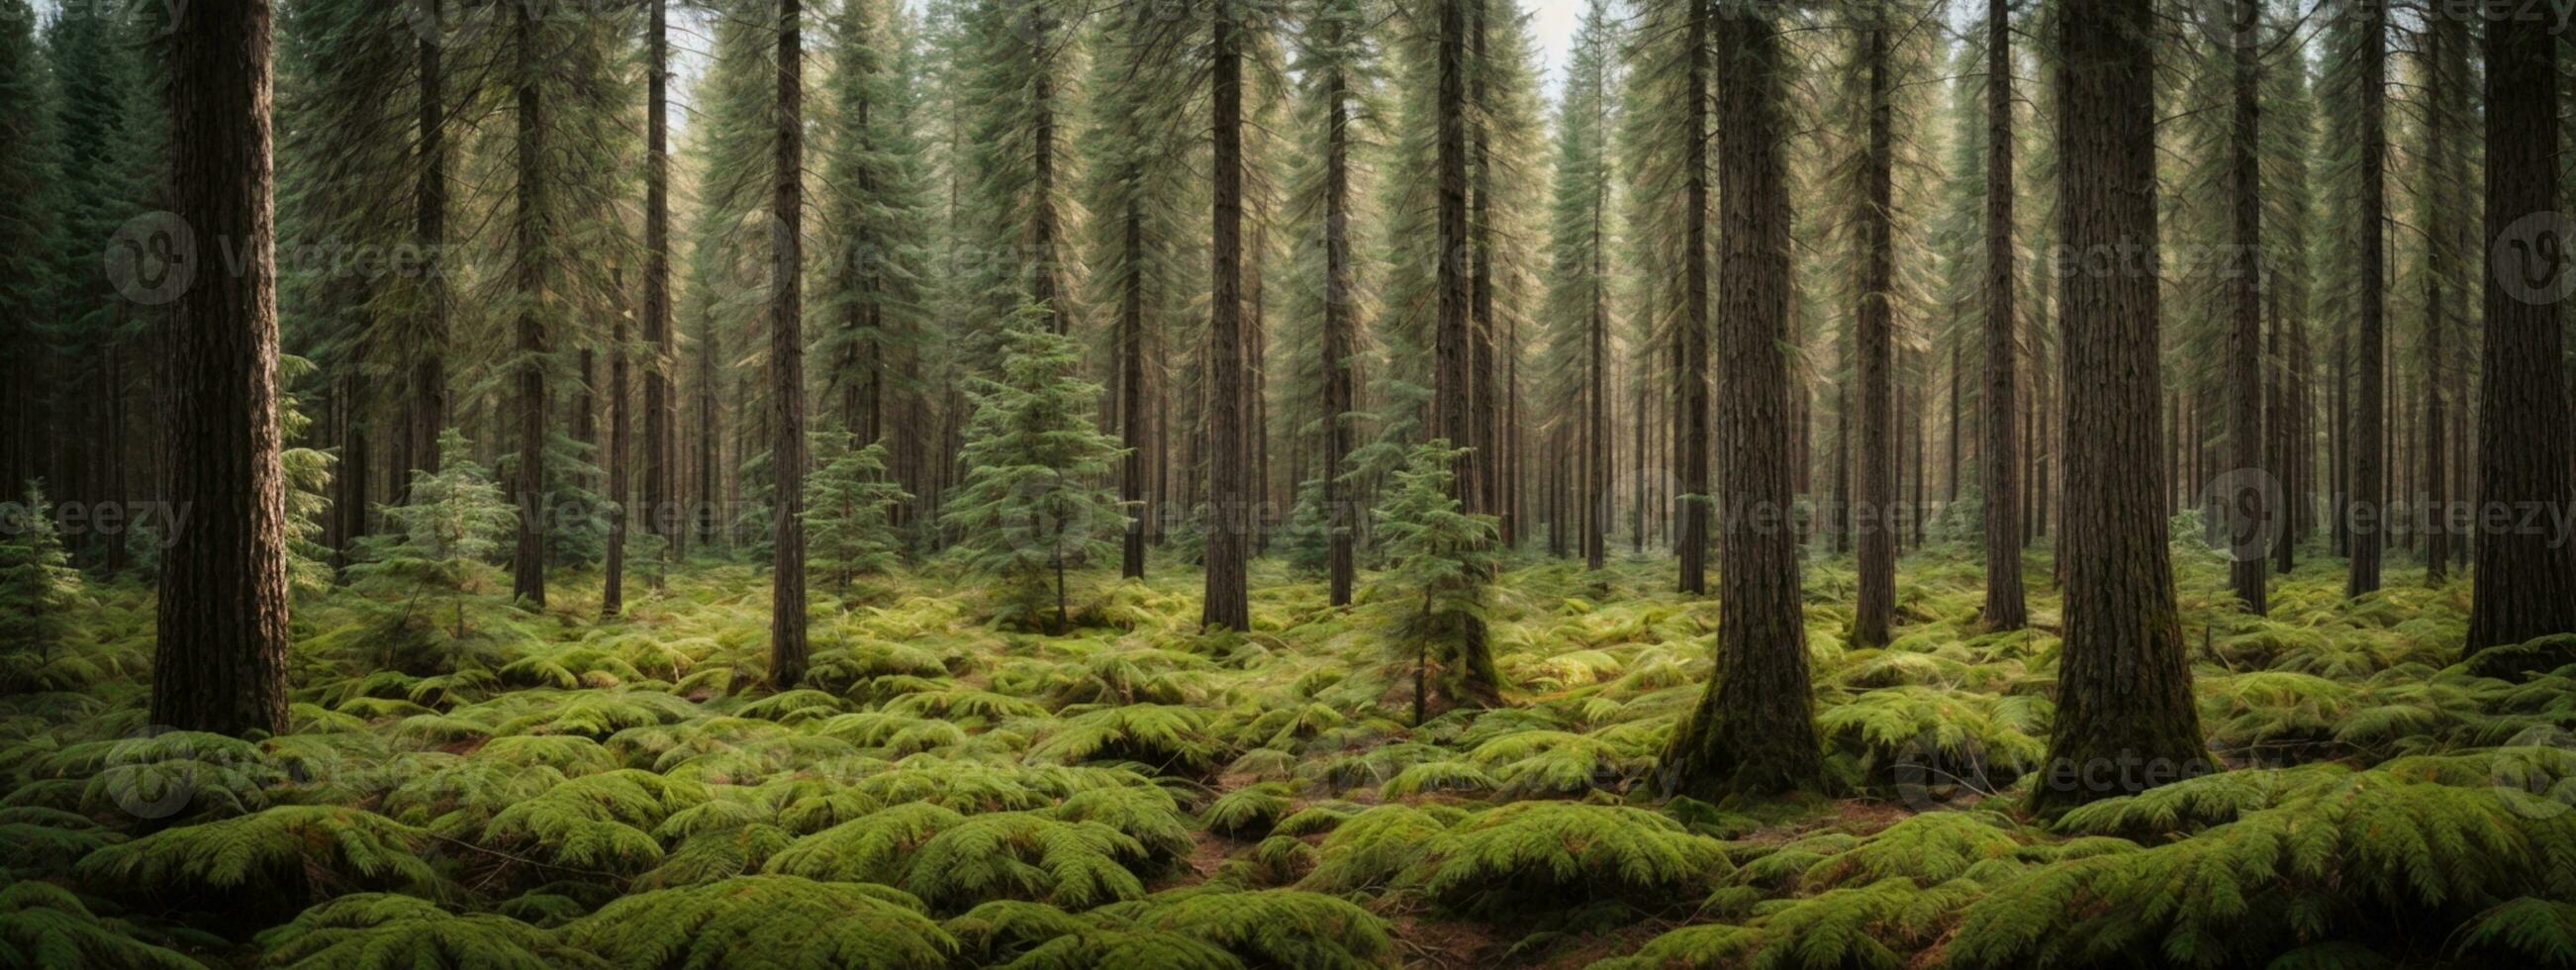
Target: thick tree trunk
{"type": "Point", "coordinates": [1754, 729]}
{"type": "Point", "coordinates": [1225, 604]}
{"type": "Point", "coordinates": [2125, 720]}
{"type": "Point", "coordinates": [1875, 611]}
{"type": "Point", "coordinates": [2249, 512]}
{"type": "Point", "coordinates": [2525, 578]}
{"type": "Point", "coordinates": [787, 647]}
{"type": "Point", "coordinates": [1999, 461]}
{"type": "Point", "coordinates": [219, 664]}
{"type": "Point", "coordinates": [2369, 510]}
{"type": "Point", "coordinates": [1691, 336]}
{"type": "Point", "coordinates": [528, 562]}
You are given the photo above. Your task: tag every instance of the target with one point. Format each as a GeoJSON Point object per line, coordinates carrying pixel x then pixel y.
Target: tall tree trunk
{"type": "Point", "coordinates": [1998, 462]}
{"type": "Point", "coordinates": [1131, 398]}
{"type": "Point", "coordinates": [1876, 609]}
{"type": "Point", "coordinates": [2370, 410]}
{"type": "Point", "coordinates": [2525, 578]}
{"type": "Point", "coordinates": [428, 408]}
{"type": "Point", "coordinates": [661, 397]}
{"type": "Point", "coordinates": [787, 648]}
{"type": "Point", "coordinates": [1339, 343]}
{"type": "Point", "coordinates": [2125, 720]}
{"type": "Point", "coordinates": [1226, 606]}
{"type": "Point", "coordinates": [1596, 452]}
{"type": "Point", "coordinates": [528, 563]}
{"type": "Point", "coordinates": [219, 664]}
{"type": "Point", "coordinates": [2252, 485]}
{"type": "Point", "coordinates": [612, 597]}
{"type": "Point", "coordinates": [1754, 729]}
{"type": "Point", "coordinates": [1484, 493]}
{"type": "Point", "coordinates": [1691, 337]}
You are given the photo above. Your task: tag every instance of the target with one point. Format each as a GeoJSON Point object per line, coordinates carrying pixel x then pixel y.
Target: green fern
{"type": "Point", "coordinates": [1248, 812]}
{"type": "Point", "coordinates": [2534, 932]}
{"type": "Point", "coordinates": [769, 920]}
{"type": "Point", "coordinates": [43, 925]}
{"type": "Point", "coordinates": [308, 847]}
{"type": "Point", "coordinates": [371, 931]}
{"type": "Point", "coordinates": [1531, 855]}
{"type": "Point", "coordinates": [596, 821]}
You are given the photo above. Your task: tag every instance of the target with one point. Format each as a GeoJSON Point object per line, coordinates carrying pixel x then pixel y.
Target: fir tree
{"type": "Point", "coordinates": [38, 587]}
{"type": "Point", "coordinates": [847, 501]}
{"type": "Point", "coordinates": [1442, 570]}
{"type": "Point", "coordinates": [441, 541]}
{"type": "Point", "coordinates": [1031, 508]}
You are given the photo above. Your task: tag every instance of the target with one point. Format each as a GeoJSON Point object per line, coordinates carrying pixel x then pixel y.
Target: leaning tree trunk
{"type": "Point", "coordinates": [2125, 720]}
{"type": "Point", "coordinates": [1876, 610]}
{"type": "Point", "coordinates": [787, 648]}
{"type": "Point", "coordinates": [2249, 512]}
{"type": "Point", "coordinates": [1754, 729]}
{"type": "Point", "coordinates": [2525, 579]}
{"type": "Point", "coordinates": [1226, 606]}
{"type": "Point", "coordinates": [528, 562]}
{"type": "Point", "coordinates": [219, 664]}
{"type": "Point", "coordinates": [2368, 512]}
{"type": "Point", "coordinates": [1998, 462]}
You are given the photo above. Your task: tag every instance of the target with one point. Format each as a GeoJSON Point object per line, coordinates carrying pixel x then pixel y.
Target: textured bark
{"type": "Point", "coordinates": [1875, 611]}
{"type": "Point", "coordinates": [1998, 462]}
{"type": "Point", "coordinates": [528, 489]}
{"type": "Point", "coordinates": [2250, 511]}
{"type": "Point", "coordinates": [787, 647]}
{"type": "Point", "coordinates": [1225, 604]}
{"type": "Point", "coordinates": [1131, 399]}
{"type": "Point", "coordinates": [219, 664]}
{"type": "Point", "coordinates": [612, 597]}
{"type": "Point", "coordinates": [1340, 346]}
{"type": "Point", "coordinates": [2125, 720]}
{"type": "Point", "coordinates": [427, 414]}
{"type": "Point", "coordinates": [661, 397]}
{"type": "Point", "coordinates": [2525, 579]}
{"type": "Point", "coordinates": [2369, 525]}
{"type": "Point", "coordinates": [1690, 337]}
{"type": "Point", "coordinates": [1484, 494]}
{"type": "Point", "coordinates": [1754, 729]}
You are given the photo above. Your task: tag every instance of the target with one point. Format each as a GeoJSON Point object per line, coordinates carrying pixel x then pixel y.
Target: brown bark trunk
{"type": "Point", "coordinates": [2248, 515]}
{"type": "Point", "coordinates": [1875, 611]}
{"type": "Point", "coordinates": [2370, 411]}
{"type": "Point", "coordinates": [1225, 604]}
{"type": "Point", "coordinates": [1999, 461]}
{"type": "Point", "coordinates": [219, 663]}
{"type": "Point", "coordinates": [1339, 345]}
{"type": "Point", "coordinates": [787, 647]}
{"type": "Point", "coordinates": [661, 392]}
{"type": "Point", "coordinates": [1691, 341]}
{"type": "Point", "coordinates": [528, 562]}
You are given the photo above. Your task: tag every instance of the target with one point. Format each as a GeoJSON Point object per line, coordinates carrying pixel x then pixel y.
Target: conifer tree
{"type": "Point", "coordinates": [1440, 573]}
{"type": "Point", "coordinates": [1579, 307]}
{"type": "Point", "coordinates": [30, 199]}
{"type": "Point", "coordinates": [847, 503]}
{"type": "Point", "coordinates": [442, 539]}
{"type": "Point", "coordinates": [38, 587]}
{"type": "Point", "coordinates": [1029, 511]}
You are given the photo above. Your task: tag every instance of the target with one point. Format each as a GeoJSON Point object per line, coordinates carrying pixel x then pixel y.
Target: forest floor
{"type": "Point", "coordinates": [556, 790]}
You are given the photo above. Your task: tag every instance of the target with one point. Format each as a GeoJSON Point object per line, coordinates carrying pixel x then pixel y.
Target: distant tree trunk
{"type": "Point", "coordinates": [661, 397]}
{"type": "Point", "coordinates": [1841, 512]}
{"type": "Point", "coordinates": [427, 416]}
{"type": "Point", "coordinates": [528, 563]}
{"type": "Point", "coordinates": [612, 597]}
{"type": "Point", "coordinates": [787, 648]}
{"type": "Point", "coordinates": [2125, 720]}
{"type": "Point", "coordinates": [2370, 409]}
{"type": "Point", "coordinates": [1876, 610]}
{"type": "Point", "coordinates": [1226, 606]}
{"type": "Point", "coordinates": [219, 663]}
{"type": "Point", "coordinates": [2281, 432]}
{"type": "Point", "coordinates": [1131, 400]}
{"type": "Point", "coordinates": [1691, 333]}
{"type": "Point", "coordinates": [1339, 343]}
{"type": "Point", "coordinates": [1998, 462]}
{"type": "Point", "coordinates": [2525, 579]}
{"type": "Point", "coordinates": [1596, 452]}
{"type": "Point", "coordinates": [1754, 729]}
{"type": "Point", "coordinates": [2249, 512]}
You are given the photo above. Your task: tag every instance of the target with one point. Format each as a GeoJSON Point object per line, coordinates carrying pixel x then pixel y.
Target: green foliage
{"type": "Point", "coordinates": [769, 920]}
{"type": "Point", "coordinates": [1030, 509]}
{"type": "Point", "coordinates": [42, 925]}
{"type": "Point", "coordinates": [442, 540]}
{"type": "Point", "coordinates": [847, 500]}
{"type": "Point", "coordinates": [1530, 856]}
{"type": "Point", "coordinates": [1441, 573]}
{"type": "Point", "coordinates": [38, 591]}
{"type": "Point", "coordinates": [285, 849]}
{"type": "Point", "coordinates": [372, 931]}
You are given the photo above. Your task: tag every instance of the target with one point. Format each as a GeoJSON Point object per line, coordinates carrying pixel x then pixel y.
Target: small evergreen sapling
{"type": "Point", "coordinates": [38, 586]}
{"type": "Point", "coordinates": [444, 539]}
{"type": "Point", "coordinates": [847, 531]}
{"type": "Point", "coordinates": [1033, 505]}
{"type": "Point", "coordinates": [1443, 562]}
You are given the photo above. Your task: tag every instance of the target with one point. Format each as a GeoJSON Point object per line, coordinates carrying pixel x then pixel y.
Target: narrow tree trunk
{"type": "Point", "coordinates": [1754, 729]}
{"type": "Point", "coordinates": [1876, 610]}
{"type": "Point", "coordinates": [2370, 410]}
{"type": "Point", "coordinates": [612, 597]}
{"type": "Point", "coordinates": [528, 563]}
{"type": "Point", "coordinates": [427, 415]}
{"type": "Point", "coordinates": [661, 397]}
{"type": "Point", "coordinates": [219, 663]}
{"type": "Point", "coordinates": [1340, 345]}
{"type": "Point", "coordinates": [787, 647]}
{"type": "Point", "coordinates": [1131, 397]}
{"type": "Point", "coordinates": [1691, 339]}
{"type": "Point", "coordinates": [1998, 461]}
{"type": "Point", "coordinates": [2125, 717]}
{"type": "Point", "coordinates": [1225, 606]}
{"type": "Point", "coordinates": [2249, 512]}
{"type": "Point", "coordinates": [2525, 578]}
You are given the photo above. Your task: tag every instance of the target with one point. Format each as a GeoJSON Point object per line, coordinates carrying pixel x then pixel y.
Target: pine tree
{"type": "Point", "coordinates": [38, 587]}
{"type": "Point", "coordinates": [444, 536]}
{"type": "Point", "coordinates": [1442, 568]}
{"type": "Point", "coordinates": [847, 504]}
{"type": "Point", "coordinates": [1029, 511]}
{"type": "Point", "coordinates": [30, 200]}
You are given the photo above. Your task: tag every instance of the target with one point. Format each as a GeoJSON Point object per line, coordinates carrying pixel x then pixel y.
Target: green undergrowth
{"type": "Point", "coordinates": [943, 790]}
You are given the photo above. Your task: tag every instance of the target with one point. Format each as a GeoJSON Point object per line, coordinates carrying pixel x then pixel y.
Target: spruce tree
{"type": "Point", "coordinates": [847, 503]}
{"type": "Point", "coordinates": [442, 539]}
{"type": "Point", "coordinates": [38, 587]}
{"type": "Point", "coordinates": [1031, 510]}
{"type": "Point", "coordinates": [1440, 575]}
